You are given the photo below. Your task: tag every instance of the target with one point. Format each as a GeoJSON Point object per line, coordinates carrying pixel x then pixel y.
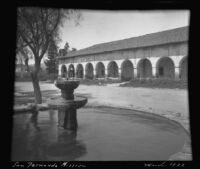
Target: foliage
{"type": "Point", "coordinates": [157, 83]}
{"type": "Point", "coordinates": [74, 49]}
{"type": "Point", "coordinates": [51, 63]}
{"type": "Point", "coordinates": [66, 47]}
{"type": "Point", "coordinates": [36, 27]}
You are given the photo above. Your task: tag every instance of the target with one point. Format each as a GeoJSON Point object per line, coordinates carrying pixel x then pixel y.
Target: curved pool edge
{"type": "Point", "coordinates": [185, 154]}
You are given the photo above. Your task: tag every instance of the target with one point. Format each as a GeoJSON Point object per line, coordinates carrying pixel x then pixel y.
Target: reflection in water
{"type": "Point", "coordinates": [66, 147]}
{"type": "Point", "coordinates": [51, 115]}
{"type": "Point", "coordinates": [34, 120]}
{"type": "Point", "coordinates": [37, 138]}
{"type": "Point", "coordinates": [36, 146]}
{"type": "Point", "coordinates": [100, 136]}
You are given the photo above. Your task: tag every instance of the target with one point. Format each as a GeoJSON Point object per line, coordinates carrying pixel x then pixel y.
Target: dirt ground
{"type": "Point", "coordinates": [154, 100]}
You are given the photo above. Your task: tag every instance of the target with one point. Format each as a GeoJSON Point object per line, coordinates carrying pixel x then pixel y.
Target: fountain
{"type": "Point", "coordinates": [67, 104]}
{"type": "Point", "coordinates": [105, 133]}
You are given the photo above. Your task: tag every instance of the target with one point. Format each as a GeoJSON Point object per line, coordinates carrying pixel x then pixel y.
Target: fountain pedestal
{"type": "Point", "coordinates": [67, 118]}
{"type": "Point", "coordinates": [67, 105]}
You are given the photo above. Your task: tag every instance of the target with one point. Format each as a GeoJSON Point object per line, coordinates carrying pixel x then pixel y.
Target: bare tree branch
{"type": "Point", "coordinates": [36, 26]}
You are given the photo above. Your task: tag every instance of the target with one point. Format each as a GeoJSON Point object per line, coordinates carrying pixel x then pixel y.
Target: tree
{"type": "Point", "coordinates": [35, 28]}
{"type": "Point", "coordinates": [51, 62]}
{"type": "Point", "coordinates": [23, 57]}
{"type": "Point", "coordinates": [66, 47]}
{"type": "Point", "coordinates": [74, 49]}
{"type": "Point", "coordinates": [20, 65]}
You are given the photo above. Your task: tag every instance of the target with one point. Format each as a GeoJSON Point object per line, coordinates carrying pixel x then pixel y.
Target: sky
{"type": "Point", "coordinates": [99, 26]}
{"type": "Point", "coordinates": [105, 26]}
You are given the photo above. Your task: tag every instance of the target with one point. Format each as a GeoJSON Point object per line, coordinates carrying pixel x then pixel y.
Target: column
{"type": "Point", "coordinates": [135, 73]}
{"type": "Point", "coordinates": [177, 72]}
{"type": "Point", "coordinates": [59, 70]}
{"type": "Point", "coordinates": [154, 72]}
{"type": "Point", "coordinates": [106, 73]}
{"type": "Point", "coordinates": [94, 72]}
{"type": "Point", "coordinates": [84, 73]}
{"type": "Point", "coordinates": [120, 73]}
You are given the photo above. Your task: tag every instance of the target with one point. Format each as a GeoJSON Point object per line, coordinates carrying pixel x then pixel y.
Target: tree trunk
{"type": "Point", "coordinates": [36, 87]}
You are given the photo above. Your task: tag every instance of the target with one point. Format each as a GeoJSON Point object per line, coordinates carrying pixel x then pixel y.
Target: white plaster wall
{"type": "Point", "coordinates": [176, 60]}
{"type": "Point", "coordinates": [154, 61]}
{"type": "Point", "coordinates": [134, 56]}
{"type": "Point", "coordinates": [106, 62]}
{"type": "Point", "coordinates": [133, 62]}
{"type": "Point", "coordinates": [59, 69]}
{"type": "Point", "coordinates": [67, 65]}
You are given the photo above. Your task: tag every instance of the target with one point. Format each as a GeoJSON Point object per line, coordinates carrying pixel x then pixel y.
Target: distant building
{"type": "Point", "coordinates": [157, 55]}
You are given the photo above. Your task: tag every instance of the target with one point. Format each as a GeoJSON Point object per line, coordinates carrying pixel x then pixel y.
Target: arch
{"type": "Point", "coordinates": [71, 71]}
{"type": "Point", "coordinates": [79, 71]}
{"type": "Point", "coordinates": [127, 70]}
{"type": "Point", "coordinates": [100, 70]}
{"type": "Point", "coordinates": [144, 68]}
{"type": "Point", "coordinates": [183, 68]}
{"type": "Point", "coordinates": [113, 70]}
{"type": "Point", "coordinates": [165, 68]}
{"type": "Point", "coordinates": [89, 74]}
{"type": "Point", "coordinates": [63, 71]}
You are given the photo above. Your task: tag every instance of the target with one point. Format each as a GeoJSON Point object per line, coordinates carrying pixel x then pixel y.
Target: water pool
{"type": "Point", "coordinates": [104, 134]}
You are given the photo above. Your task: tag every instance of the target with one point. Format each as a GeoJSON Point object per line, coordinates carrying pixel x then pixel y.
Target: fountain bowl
{"type": "Point", "coordinates": [58, 102]}
{"type": "Point", "coordinates": [65, 84]}
{"type": "Point", "coordinates": [67, 88]}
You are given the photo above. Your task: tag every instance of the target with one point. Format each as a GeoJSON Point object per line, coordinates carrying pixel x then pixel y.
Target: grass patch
{"type": "Point", "coordinates": [29, 97]}
{"type": "Point", "coordinates": [98, 82]}
{"type": "Point", "coordinates": [157, 83]}
{"type": "Point", "coordinates": [42, 76]}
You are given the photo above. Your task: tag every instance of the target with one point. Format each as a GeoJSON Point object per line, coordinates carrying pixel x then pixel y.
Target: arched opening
{"type": "Point", "coordinates": [89, 71]}
{"type": "Point", "coordinates": [100, 70]}
{"type": "Point", "coordinates": [113, 69]}
{"type": "Point", "coordinates": [71, 71]}
{"type": "Point", "coordinates": [184, 68]}
{"type": "Point", "coordinates": [63, 71]}
{"type": "Point", "coordinates": [127, 70]}
{"type": "Point", "coordinates": [79, 71]}
{"type": "Point", "coordinates": [144, 69]}
{"type": "Point", "coordinates": [165, 68]}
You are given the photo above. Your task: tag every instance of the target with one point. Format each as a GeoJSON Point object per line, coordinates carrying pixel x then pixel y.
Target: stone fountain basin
{"type": "Point", "coordinates": [59, 102]}
{"type": "Point", "coordinates": [67, 84]}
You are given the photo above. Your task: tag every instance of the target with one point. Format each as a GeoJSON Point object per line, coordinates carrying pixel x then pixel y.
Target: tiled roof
{"type": "Point", "coordinates": [158, 38]}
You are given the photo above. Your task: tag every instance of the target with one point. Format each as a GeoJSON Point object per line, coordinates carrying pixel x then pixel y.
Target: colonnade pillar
{"type": "Point", "coordinates": [177, 72]}
{"type": "Point", "coordinates": [106, 73]}
{"type": "Point", "coordinates": [135, 73]}
{"type": "Point", "coordinates": [94, 73]}
{"type": "Point", "coordinates": [154, 72]}
{"type": "Point", "coordinates": [120, 73]}
{"type": "Point", "coordinates": [84, 73]}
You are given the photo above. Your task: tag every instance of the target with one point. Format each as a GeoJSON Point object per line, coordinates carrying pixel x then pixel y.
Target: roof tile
{"type": "Point", "coordinates": [158, 38]}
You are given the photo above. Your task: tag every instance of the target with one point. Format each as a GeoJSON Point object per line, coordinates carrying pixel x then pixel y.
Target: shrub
{"type": "Point", "coordinates": [158, 83]}
{"type": "Point", "coordinates": [24, 76]}
{"type": "Point", "coordinates": [42, 76]}
{"type": "Point", "coordinates": [53, 76]}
